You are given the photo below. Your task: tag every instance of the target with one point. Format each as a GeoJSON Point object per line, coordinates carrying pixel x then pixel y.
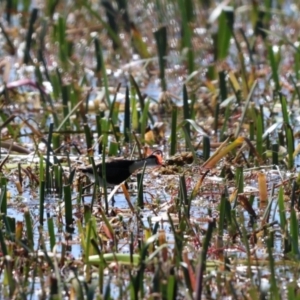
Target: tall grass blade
{"type": "Point", "coordinates": [206, 148]}
{"type": "Point", "coordinates": [99, 130]}
{"type": "Point", "coordinates": [66, 119]}
{"type": "Point", "coordinates": [50, 7]}
{"type": "Point", "coordinates": [172, 287]}
{"type": "Point", "coordinates": [42, 191]}
{"type": "Point", "coordinates": [246, 245]}
{"type": "Point", "coordinates": [141, 98]}
{"type": "Point", "coordinates": [189, 145]}
{"type": "Point", "coordinates": [2, 242]}
{"type": "Point", "coordinates": [186, 10]}
{"type": "Point", "coordinates": [202, 260]}
{"type": "Point", "coordinates": [127, 127]}
{"type": "Point", "coordinates": [161, 44]}
{"type": "Point", "coordinates": [7, 221]}
{"type": "Point", "coordinates": [144, 119]}
{"type": "Point", "coordinates": [98, 54]}
{"type": "Point", "coordinates": [46, 176]}
{"type": "Point", "coordinates": [284, 109]}
{"type": "Point", "coordinates": [88, 139]}
{"type": "Point", "coordinates": [183, 196]}
{"type": "Point", "coordinates": [3, 196]}
{"type": "Point", "coordinates": [226, 121]}
{"type": "Point", "coordinates": [101, 67]}
{"type": "Point", "coordinates": [294, 229]}
{"type": "Point", "coordinates": [178, 241]}
{"type": "Point", "coordinates": [123, 9]}
{"type": "Point", "coordinates": [290, 145]}
{"type": "Point", "coordinates": [281, 139]}
{"type": "Point", "coordinates": [62, 42]}
{"type": "Point", "coordinates": [111, 16]}
{"type": "Point", "coordinates": [113, 149]}
{"type": "Point", "coordinates": [135, 124]}
{"type": "Point", "coordinates": [239, 175]}
{"type": "Point", "coordinates": [29, 229]}
{"type": "Point", "coordinates": [222, 86]}
{"type": "Point", "coordinates": [274, 62]}
{"type": "Point", "coordinates": [259, 135]}
{"type": "Point", "coordinates": [139, 45]}
{"type": "Point", "coordinates": [225, 29]}
{"type": "Point", "coordinates": [105, 25]}
{"type": "Point", "coordinates": [282, 217]}
{"type": "Point", "coordinates": [33, 18]}
{"type": "Point", "coordinates": [173, 136]}
{"type": "Point", "coordinates": [8, 277]}
{"type": "Point", "coordinates": [249, 97]}
{"type": "Point", "coordinates": [221, 226]}
{"type": "Point", "coordinates": [51, 233]}
{"type": "Point", "coordinates": [114, 107]}
{"type": "Point", "coordinates": [104, 179]}
{"type": "Point", "coordinates": [68, 205]}
{"type": "Point", "coordinates": [275, 150]}
{"type": "Point", "coordinates": [105, 126]}
{"type": "Point", "coordinates": [186, 110]}
{"type": "Point", "coordinates": [140, 178]}
{"type": "Point", "coordinates": [274, 286]}
{"type": "Point", "coordinates": [65, 91]}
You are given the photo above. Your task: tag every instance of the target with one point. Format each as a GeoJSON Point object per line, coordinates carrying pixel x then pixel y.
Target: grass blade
{"type": "Point", "coordinates": [140, 178]}
{"type": "Point", "coordinates": [294, 233]}
{"type": "Point", "coordinates": [274, 66]}
{"type": "Point", "coordinates": [68, 205]}
{"type": "Point", "coordinates": [3, 196]}
{"type": "Point", "coordinates": [259, 134]}
{"type": "Point", "coordinates": [127, 128]}
{"type": "Point", "coordinates": [101, 67]}
{"type": "Point", "coordinates": [161, 44]}
{"type": "Point", "coordinates": [206, 148]}
{"type": "Point", "coordinates": [144, 119]}
{"type": "Point", "coordinates": [33, 18]}
{"type": "Point", "coordinates": [187, 16]}
{"type": "Point", "coordinates": [173, 136]}
{"type": "Point", "coordinates": [186, 110]}
{"type": "Point", "coordinates": [245, 108]}
{"type": "Point", "coordinates": [29, 229]}
{"type": "Point", "coordinates": [51, 233]}
{"type": "Point", "coordinates": [202, 263]}
{"type": "Point", "coordinates": [290, 145]}
{"type": "Point", "coordinates": [42, 190]}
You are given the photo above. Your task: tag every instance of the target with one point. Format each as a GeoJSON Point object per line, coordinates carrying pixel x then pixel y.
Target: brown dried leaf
{"type": "Point", "coordinates": [262, 187]}
{"type": "Point", "coordinates": [243, 200]}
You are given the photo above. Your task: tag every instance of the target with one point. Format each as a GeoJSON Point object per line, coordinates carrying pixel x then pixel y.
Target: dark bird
{"type": "Point", "coordinates": [118, 170]}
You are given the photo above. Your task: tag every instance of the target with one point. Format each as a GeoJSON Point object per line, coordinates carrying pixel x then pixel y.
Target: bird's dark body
{"type": "Point", "coordinates": [116, 171]}
{"type": "Point", "coordinates": [119, 170]}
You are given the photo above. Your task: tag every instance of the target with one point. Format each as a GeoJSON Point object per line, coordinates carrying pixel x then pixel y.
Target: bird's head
{"type": "Point", "coordinates": [155, 158]}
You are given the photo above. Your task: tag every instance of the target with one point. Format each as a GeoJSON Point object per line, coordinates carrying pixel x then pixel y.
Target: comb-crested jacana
{"type": "Point", "coordinates": [118, 170]}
